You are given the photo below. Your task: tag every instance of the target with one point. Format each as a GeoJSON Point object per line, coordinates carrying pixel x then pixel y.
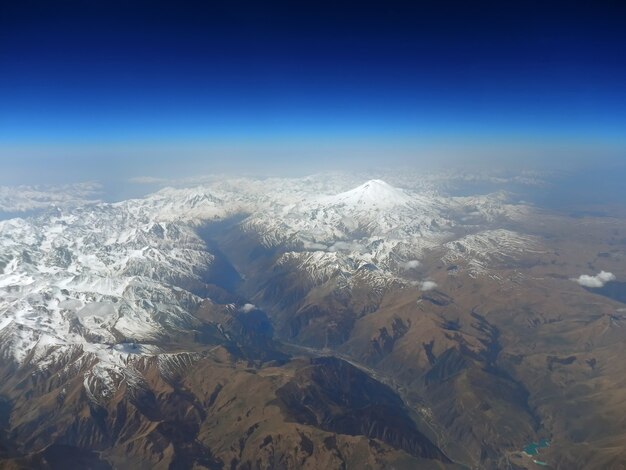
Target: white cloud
{"type": "Point", "coordinates": [346, 246]}
{"type": "Point", "coordinates": [247, 308]}
{"type": "Point", "coordinates": [314, 246]}
{"type": "Point", "coordinates": [595, 281]}
{"type": "Point", "coordinates": [411, 264]}
{"type": "Point", "coordinates": [428, 285]}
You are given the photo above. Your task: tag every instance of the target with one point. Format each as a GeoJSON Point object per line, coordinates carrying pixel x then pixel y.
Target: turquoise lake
{"type": "Point", "coordinates": [534, 447]}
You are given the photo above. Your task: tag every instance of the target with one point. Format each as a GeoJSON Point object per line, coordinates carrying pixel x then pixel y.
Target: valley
{"type": "Point", "coordinates": [320, 322]}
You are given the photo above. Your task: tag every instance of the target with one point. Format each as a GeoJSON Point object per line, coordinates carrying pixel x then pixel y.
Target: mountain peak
{"type": "Point", "coordinates": [376, 185]}
{"type": "Point", "coordinates": [373, 193]}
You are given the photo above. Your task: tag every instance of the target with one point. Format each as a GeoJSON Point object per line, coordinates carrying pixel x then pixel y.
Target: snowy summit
{"type": "Point", "coordinates": [373, 193]}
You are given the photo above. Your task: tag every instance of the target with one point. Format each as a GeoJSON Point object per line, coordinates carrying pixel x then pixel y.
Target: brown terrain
{"type": "Point", "coordinates": [324, 376]}
{"type": "Point", "coordinates": [491, 362]}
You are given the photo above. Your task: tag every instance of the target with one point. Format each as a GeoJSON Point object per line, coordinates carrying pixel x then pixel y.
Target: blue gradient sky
{"type": "Point", "coordinates": [111, 89]}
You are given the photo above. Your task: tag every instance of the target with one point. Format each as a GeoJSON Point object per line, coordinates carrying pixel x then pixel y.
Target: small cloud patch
{"type": "Point", "coordinates": [313, 246]}
{"type": "Point", "coordinates": [428, 285]}
{"type": "Point", "coordinates": [347, 246]}
{"type": "Point", "coordinates": [411, 264]}
{"type": "Point", "coordinates": [595, 281]}
{"type": "Point", "coordinates": [247, 308]}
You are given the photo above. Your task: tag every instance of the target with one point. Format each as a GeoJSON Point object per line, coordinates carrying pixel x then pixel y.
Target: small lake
{"type": "Point", "coordinates": [534, 448]}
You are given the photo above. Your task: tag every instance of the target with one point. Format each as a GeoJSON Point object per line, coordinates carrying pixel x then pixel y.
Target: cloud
{"type": "Point", "coordinates": [347, 246]}
{"type": "Point", "coordinates": [247, 308]}
{"type": "Point", "coordinates": [428, 285]}
{"type": "Point", "coordinates": [411, 264]}
{"type": "Point", "coordinates": [313, 246]}
{"type": "Point", "coordinates": [595, 281]}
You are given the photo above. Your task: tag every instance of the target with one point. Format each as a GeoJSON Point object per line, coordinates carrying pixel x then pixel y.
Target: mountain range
{"type": "Point", "coordinates": [317, 322]}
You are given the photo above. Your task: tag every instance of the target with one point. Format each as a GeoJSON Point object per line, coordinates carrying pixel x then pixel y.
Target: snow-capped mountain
{"type": "Point", "coordinates": [117, 319]}
{"type": "Point", "coordinates": [374, 222]}
{"type": "Point", "coordinates": [371, 195]}
{"type": "Point", "coordinates": [97, 282]}
{"type": "Point", "coordinates": [483, 249]}
{"type": "Point", "coordinates": [15, 200]}
{"type": "Point", "coordinates": [110, 281]}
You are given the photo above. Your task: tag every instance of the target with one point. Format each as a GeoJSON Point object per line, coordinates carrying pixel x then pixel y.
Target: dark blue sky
{"type": "Point", "coordinates": [92, 88]}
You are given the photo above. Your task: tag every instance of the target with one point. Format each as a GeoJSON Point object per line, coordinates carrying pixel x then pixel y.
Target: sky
{"type": "Point", "coordinates": [97, 89]}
